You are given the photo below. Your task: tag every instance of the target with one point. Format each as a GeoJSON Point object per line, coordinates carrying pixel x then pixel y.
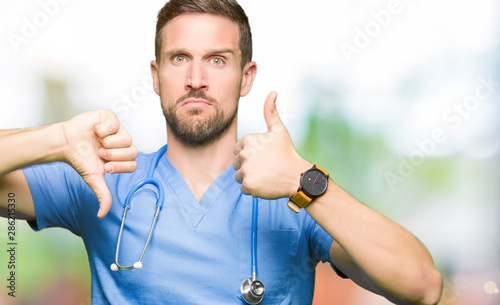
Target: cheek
{"type": "Point", "coordinates": [226, 96]}
{"type": "Point", "coordinates": [171, 86]}
{"type": "Point", "coordinates": [225, 84]}
{"type": "Point", "coordinates": [171, 79]}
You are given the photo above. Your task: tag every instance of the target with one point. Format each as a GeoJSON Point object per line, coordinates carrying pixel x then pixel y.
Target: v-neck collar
{"type": "Point", "coordinates": [197, 210]}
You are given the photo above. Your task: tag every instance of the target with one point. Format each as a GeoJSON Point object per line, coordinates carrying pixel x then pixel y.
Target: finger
{"type": "Point", "coordinates": [239, 146]}
{"type": "Point", "coordinates": [119, 154]}
{"type": "Point", "coordinates": [271, 114]}
{"type": "Point", "coordinates": [237, 162]}
{"type": "Point", "coordinates": [245, 191]}
{"type": "Point", "coordinates": [239, 176]}
{"type": "Point", "coordinates": [119, 139]}
{"type": "Point", "coordinates": [108, 123]}
{"type": "Point", "coordinates": [120, 167]}
{"type": "Point", "coordinates": [98, 185]}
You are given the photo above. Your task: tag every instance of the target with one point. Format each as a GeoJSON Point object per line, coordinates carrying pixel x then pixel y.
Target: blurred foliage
{"type": "Point", "coordinates": [358, 158]}
{"type": "Point", "coordinates": [51, 268]}
{"type": "Point", "coordinates": [349, 156]}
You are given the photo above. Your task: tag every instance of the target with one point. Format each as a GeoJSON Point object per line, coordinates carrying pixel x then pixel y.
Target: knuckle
{"type": "Point", "coordinates": [107, 113]}
{"type": "Point", "coordinates": [243, 155]}
{"type": "Point", "coordinates": [111, 154]}
{"type": "Point", "coordinates": [245, 188]}
{"type": "Point", "coordinates": [246, 140]}
{"type": "Point", "coordinates": [243, 169]}
{"type": "Point", "coordinates": [236, 164]}
{"type": "Point", "coordinates": [238, 177]}
{"type": "Point", "coordinates": [266, 138]}
{"type": "Point", "coordinates": [248, 183]}
{"type": "Point", "coordinates": [106, 142]}
{"type": "Point", "coordinates": [127, 141]}
{"type": "Point", "coordinates": [245, 191]}
{"type": "Point", "coordinates": [250, 153]}
{"type": "Point", "coordinates": [135, 152]}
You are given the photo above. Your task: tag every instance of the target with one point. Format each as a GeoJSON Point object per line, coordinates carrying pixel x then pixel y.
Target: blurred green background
{"type": "Point", "coordinates": [398, 100]}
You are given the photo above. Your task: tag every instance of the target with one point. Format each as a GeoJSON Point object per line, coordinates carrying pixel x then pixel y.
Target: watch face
{"type": "Point", "coordinates": [314, 182]}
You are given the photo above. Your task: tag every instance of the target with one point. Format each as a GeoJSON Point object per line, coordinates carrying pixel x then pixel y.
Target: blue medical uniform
{"type": "Point", "coordinates": [199, 252]}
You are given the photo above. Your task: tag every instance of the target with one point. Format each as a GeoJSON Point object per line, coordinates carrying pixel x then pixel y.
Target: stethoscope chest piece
{"type": "Point", "coordinates": [252, 291]}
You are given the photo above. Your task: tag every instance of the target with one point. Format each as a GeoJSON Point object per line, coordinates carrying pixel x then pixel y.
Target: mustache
{"type": "Point", "coordinates": [197, 93]}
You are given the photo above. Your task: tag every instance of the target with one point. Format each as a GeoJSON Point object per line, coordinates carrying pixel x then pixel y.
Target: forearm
{"type": "Point", "coordinates": [24, 147]}
{"type": "Point", "coordinates": [389, 259]}
{"type": "Point", "coordinates": [390, 256]}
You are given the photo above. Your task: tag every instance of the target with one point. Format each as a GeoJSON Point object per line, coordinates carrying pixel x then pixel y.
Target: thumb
{"type": "Point", "coordinates": [98, 185]}
{"type": "Point", "coordinates": [271, 114]}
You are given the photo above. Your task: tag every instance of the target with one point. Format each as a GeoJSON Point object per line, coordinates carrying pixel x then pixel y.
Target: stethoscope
{"type": "Point", "coordinates": [252, 289]}
{"type": "Point", "coordinates": [159, 204]}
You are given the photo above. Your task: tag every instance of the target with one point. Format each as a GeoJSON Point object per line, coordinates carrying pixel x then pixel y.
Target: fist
{"type": "Point", "coordinates": [267, 164]}
{"type": "Point", "coordinates": [96, 143]}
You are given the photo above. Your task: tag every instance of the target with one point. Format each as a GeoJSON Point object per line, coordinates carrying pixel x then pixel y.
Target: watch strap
{"type": "Point", "coordinates": [324, 171]}
{"type": "Point", "coordinates": [301, 199]}
{"type": "Point", "coordinates": [298, 201]}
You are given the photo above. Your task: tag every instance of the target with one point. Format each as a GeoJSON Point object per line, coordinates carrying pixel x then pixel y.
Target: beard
{"type": "Point", "coordinates": [196, 131]}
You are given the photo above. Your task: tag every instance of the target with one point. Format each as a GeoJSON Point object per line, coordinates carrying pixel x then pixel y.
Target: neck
{"type": "Point", "coordinates": [200, 166]}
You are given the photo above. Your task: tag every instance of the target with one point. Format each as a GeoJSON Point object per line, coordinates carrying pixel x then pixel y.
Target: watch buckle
{"type": "Point", "coordinates": [293, 206]}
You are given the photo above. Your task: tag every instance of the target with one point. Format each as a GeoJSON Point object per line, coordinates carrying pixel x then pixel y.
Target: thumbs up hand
{"type": "Point", "coordinates": [267, 164]}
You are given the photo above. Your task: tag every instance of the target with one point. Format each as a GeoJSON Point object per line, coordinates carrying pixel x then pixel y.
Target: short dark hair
{"type": "Point", "coordinates": [224, 8]}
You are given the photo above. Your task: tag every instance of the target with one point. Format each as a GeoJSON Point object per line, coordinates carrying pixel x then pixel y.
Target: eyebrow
{"type": "Point", "coordinates": [222, 51]}
{"type": "Point", "coordinates": [230, 51]}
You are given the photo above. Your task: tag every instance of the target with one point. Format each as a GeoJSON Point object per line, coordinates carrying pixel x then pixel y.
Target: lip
{"type": "Point", "coordinates": [194, 102]}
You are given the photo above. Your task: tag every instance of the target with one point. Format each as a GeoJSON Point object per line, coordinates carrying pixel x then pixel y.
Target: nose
{"type": "Point", "coordinates": [196, 76]}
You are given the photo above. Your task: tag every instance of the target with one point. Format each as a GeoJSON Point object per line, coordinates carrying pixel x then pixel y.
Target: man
{"type": "Point", "coordinates": [199, 252]}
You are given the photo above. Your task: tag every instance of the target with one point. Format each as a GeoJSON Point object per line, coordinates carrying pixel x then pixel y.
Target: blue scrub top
{"type": "Point", "coordinates": [199, 252]}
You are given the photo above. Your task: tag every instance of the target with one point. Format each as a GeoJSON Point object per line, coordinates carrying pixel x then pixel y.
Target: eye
{"type": "Point", "coordinates": [217, 61]}
{"type": "Point", "coordinates": [179, 58]}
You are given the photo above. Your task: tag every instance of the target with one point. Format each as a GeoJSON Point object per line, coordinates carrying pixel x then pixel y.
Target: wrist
{"type": "Point", "coordinates": [301, 165]}
{"type": "Point", "coordinates": [54, 146]}
{"type": "Point", "coordinates": [30, 146]}
{"type": "Point", "coordinates": [319, 202]}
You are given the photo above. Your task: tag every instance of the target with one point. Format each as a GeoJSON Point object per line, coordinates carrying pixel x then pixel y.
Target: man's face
{"type": "Point", "coordinates": [199, 78]}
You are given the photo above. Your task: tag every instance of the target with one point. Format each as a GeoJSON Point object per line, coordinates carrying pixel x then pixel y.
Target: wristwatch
{"type": "Point", "coordinates": [313, 183]}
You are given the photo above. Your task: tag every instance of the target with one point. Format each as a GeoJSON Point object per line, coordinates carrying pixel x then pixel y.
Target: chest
{"type": "Point", "coordinates": [211, 256]}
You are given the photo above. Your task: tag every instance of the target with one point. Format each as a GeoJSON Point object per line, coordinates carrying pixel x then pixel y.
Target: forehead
{"type": "Point", "coordinates": [200, 32]}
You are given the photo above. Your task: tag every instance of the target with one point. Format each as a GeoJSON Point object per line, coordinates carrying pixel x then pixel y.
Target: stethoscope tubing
{"type": "Point", "coordinates": [255, 215]}
{"type": "Point", "coordinates": [159, 204]}
{"type": "Point", "coordinates": [251, 289]}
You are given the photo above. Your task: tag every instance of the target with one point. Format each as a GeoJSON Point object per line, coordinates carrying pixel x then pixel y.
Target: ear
{"type": "Point", "coordinates": [154, 73]}
{"type": "Point", "coordinates": [249, 72]}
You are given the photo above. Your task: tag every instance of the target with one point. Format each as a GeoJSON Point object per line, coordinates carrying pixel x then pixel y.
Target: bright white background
{"type": "Point", "coordinates": [408, 71]}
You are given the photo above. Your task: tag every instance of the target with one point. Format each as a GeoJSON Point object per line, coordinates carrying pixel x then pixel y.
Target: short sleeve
{"type": "Point", "coordinates": [58, 191]}
{"type": "Point", "coordinates": [320, 243]}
